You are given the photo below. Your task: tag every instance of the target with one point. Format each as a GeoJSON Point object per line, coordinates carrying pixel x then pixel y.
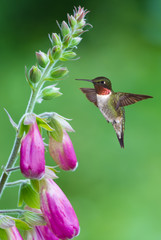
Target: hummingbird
{"type": "Point", "coordinates": [110, 103]}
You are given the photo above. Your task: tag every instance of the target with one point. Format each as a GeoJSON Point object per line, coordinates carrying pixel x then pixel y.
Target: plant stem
{"type": "Point", "coordinates": [13, 211]}
{"type": "Point", "coordinates": [30, 107]}
{"type": "Point", "coordinates": [11, 161]}
{"type": "Point", "coordinates": [12, 169]}
{"type": "Point", "coordinates": [9, 184]}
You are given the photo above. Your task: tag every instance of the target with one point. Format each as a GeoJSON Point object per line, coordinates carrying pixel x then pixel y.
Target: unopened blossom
{"type": "Point", "coordinates": [32, 154]}
{"type": "Point", "coordinates": [13, 234]}
{"type": "Point", "coordinates": [57, 210]}
{"type": "Point", "coordinates": [63, 152]}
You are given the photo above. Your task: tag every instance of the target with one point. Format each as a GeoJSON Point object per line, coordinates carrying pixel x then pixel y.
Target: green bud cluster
{"type": "Point", "coordinates": [61, 50]}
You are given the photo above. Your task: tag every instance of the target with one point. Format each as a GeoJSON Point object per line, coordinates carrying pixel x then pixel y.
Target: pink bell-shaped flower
{"type": "Point", "coordinates": [13, 233]}
{"type": "Point", "coordinates": [32, 154]}
{"type": "Point", "coordinates": [63, 152]}
{"type": "Point", "coordinates": [57, 210]}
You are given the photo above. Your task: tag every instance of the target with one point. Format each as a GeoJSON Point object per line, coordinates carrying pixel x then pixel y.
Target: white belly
{"type": "Point", "coordinates": [102, 102]}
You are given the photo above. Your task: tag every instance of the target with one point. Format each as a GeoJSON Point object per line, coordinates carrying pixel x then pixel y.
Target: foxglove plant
{"type": "Point", "coordinates": [57, 218]}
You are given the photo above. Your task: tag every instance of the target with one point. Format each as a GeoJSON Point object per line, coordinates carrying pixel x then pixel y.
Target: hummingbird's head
{"type": "Point", "coordinates": [102, 85]}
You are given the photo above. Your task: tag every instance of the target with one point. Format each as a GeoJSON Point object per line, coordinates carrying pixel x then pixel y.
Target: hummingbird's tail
{"type": "Point", "coordinates": [119, 127]}
{"type": "Point", "coordinates": [121, 140]}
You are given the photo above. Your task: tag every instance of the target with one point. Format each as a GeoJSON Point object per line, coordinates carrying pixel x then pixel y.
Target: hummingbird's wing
{"type": "Point", "coordinates": [90, 94]}
{"type": "Point", "coordinates": [125, 99]}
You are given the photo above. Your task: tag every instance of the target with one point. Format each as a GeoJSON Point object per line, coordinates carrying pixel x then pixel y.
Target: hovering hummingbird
{"type": "Point", "coordinates": [110, 103]}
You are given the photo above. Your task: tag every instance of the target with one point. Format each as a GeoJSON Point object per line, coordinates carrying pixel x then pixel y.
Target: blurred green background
{"type": "Point", "coordinates": [116, 192]}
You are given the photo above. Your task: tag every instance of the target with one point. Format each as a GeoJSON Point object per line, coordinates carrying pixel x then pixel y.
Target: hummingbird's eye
{"type": "Point", "coordinates": [103, 82]}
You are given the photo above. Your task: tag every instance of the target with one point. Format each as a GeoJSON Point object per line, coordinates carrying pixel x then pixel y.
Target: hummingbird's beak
{"type": "Point", "coordinates": [84, 80]}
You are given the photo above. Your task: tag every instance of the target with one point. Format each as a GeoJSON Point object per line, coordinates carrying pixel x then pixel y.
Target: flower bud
{"type": "Point", "coordinates": [57, 210]}
{"type": "Point", "coordinates": [13, 234]}
{"type": "Point", "coordinates": [50, 92]}
{"type": "Point", "coordinates": [32, 154]}
{"type": "Point", "coordinates": [63, 152]}
{"type": "Point", "coordinates": [42, 59]}
{"type": "Point", "coordinates": [82, 23]}
{"type": "Point", "coordinates": [77, 32]}
{"type": "Point", "coordinates": [66, 41]}
{"type": "Point", "coordinates": [35, 74]}
{"type": "Point", "coordinates": [73, 21]}
{"type": "Point", "coordinates": [56, 52]}
{"type": "Point", "coordinates": [67, 55]}
{"type": "Point", "coordinates": [56, 39]}
{"type": "Point", "coordinates": [65, 29]}
{"type": "Point", "coordinates": [75, 41]}
{"type": "Point", "coordinates": [59, 72]}
{"type": "Point", "coordinates": [80, 13]}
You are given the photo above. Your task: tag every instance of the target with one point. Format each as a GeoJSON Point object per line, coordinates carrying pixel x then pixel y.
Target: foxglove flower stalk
{"type": "Point", "coordinates": [13, 234]}
{"type": "Point", "coordinates": [57, 210]}
{"type": "Point", "coordinates": [63, 152]}
{"type": "Point", "coordinates": [32, 154]}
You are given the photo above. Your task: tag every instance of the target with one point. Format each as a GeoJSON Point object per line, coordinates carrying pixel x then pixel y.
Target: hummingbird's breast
{"type": "Point", "coordinates": [105, 104]}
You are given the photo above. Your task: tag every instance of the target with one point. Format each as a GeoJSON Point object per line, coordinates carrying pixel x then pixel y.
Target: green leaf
{"type": "Point", "coordinates": [29, 196]}
{"type": "Point", "coordinates": [6, 222]}
{"type": "Point", "coordinates": [11, 120]}
{"type": "Point", "coordinates": [23, 128]}
{"type": "Point", "coordinates": [33, 218]}
{"type": "Point", "coordinates": [35, 184]}
{"type": "Point", "coordinates": [27, 79]}
{"type": "Point", "coordinates": [42, 123]}
{"type": "Point", "coordinates": [3, 234]}
{"type": "Point", "coordinates": [21, 224]}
